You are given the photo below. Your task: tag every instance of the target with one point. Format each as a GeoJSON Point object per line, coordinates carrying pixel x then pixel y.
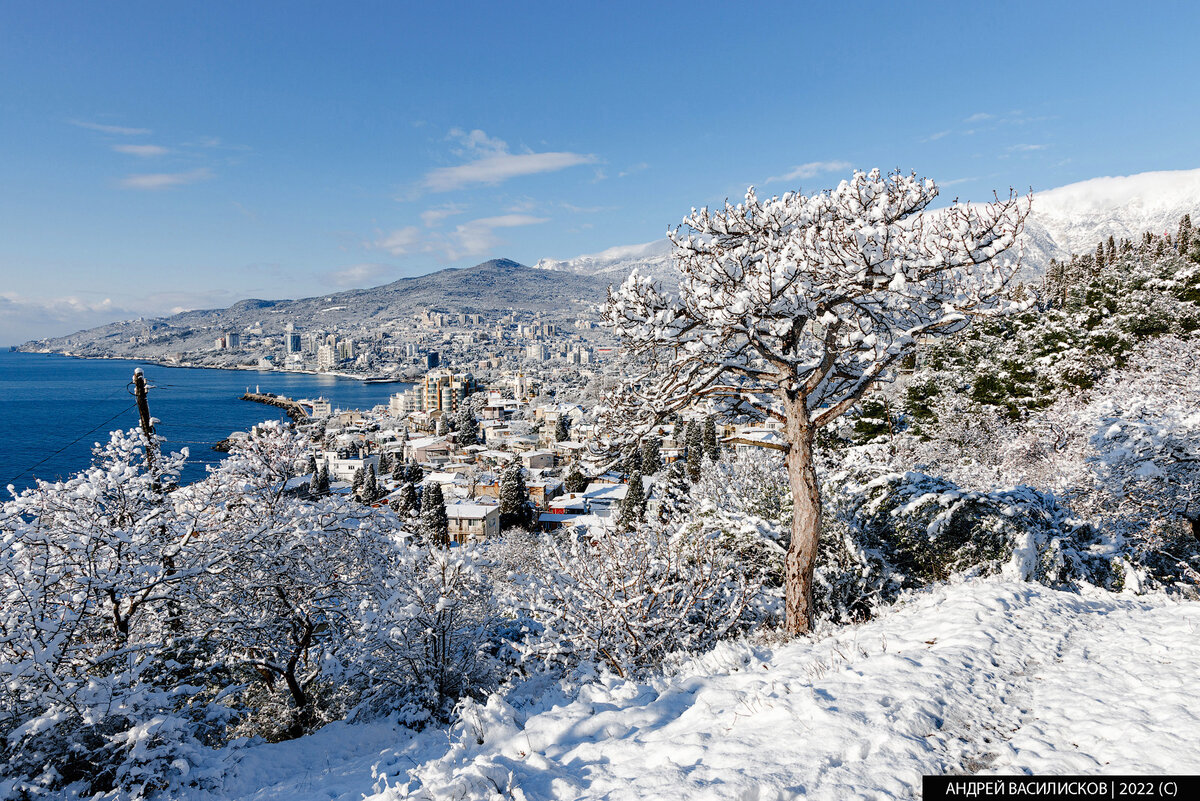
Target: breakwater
{"type": "Point", "coordinates": [294, 410]}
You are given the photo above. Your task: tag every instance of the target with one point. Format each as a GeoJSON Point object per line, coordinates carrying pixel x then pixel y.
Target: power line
{"type": "Point", "coordinates": [69, 444]}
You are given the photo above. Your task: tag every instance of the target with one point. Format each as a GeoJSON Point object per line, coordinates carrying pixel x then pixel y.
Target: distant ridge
{"type": "Point", "coordinates": [495, 285]}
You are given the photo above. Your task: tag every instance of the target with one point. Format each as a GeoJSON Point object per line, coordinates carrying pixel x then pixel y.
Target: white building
{"type": "Point", "coordinates": [473, 522]}
{"type": "Point", "coordinates": [326, 358]}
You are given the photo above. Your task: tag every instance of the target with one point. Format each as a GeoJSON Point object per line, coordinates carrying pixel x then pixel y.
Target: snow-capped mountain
{"type": "Point", "coordinates": [1066, 220]}
{"type": "Point", "coordinates": [1075, 217]}
{"type": "Point", "coordinates": [651, 258]}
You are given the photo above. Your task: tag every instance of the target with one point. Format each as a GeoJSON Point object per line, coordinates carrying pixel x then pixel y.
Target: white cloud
{"type": "Point", "coordinates": [1025, 148]}
{"type": "Point", "coordinates": [478, 237]}
{"type": "Point", "coordinates": [403, 241]}
{"type": "Point", "coordinates": [641, 165]}
{"type": "Point", "coordinates": [358, 275]}
{"type": "Point", "coordinates": [810, 170]}
{"type": "Point", "coordinates": [980, 117]}
{"type": "Point", "coordinates": [499, 168]}
{"type": "Point", "coordinates": [110, 129]}
{"type": "Point", "coordinates": [166, 180]}
{"type": "Point", "coordinates": [477, 142]}
{"type": "Point", "coordinates": [494, 163]}
{"type": "Point", "coordinates": [144, 151]}
{"type": "Point", "coordinates": [432, 217]}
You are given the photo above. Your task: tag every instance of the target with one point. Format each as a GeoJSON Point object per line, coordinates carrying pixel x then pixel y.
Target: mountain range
{"type": "Point", "coordinates": [1069, 219]}
{"type": "Point", "coordinates": [498, 285]}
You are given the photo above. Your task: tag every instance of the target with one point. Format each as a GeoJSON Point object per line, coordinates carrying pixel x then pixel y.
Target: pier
{"type": "Point", "coordinates": [294, 410]}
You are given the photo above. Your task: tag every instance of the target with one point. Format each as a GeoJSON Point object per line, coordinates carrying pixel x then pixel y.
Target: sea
{"type": "Point", "coordinates": [55, 409]}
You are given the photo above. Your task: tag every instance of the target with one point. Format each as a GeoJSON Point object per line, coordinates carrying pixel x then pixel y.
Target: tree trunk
{"type": "Point", "coordinates": [806, 520]}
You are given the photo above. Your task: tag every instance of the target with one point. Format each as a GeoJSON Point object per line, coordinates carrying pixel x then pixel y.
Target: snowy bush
{"type": "Point", "coordinates": [918, 529]}
{"type": "Point", "coordinates": [91, 571]}
{"type": "Point", "coordinates": [432, 641]}
{"type": "Point", "coordinates": [626, 600]}
{"type": "Point", "coordinates": [1126, 457]}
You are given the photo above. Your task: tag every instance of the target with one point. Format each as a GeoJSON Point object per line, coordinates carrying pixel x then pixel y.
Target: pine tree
{"type": "Point", "coordinates": [632, 460]}
{"type": "Point", "coordinates": [675, 497]}
{"type": "Point", "coordinates": [399, 470]}
{"type": "Point", "coordinates": [576, 481]}
{"type": "Point", "coordinates": [651, 456]}
{"type": "Point", "coordinates": [677, 432]}
{"type": "Point", "coordinates": [561, 434]}
{"type": "Point", "coordinates": [406, 504]}
{"type": "Point", "coordinates": [468, 428]}
{"type": "Point", "coordinates": [434, 522]}
{"type": "Point", "coordinates": [314, 475]}
{"type": "Point", "coordinates": [370, 487]}
{"type": "Point", "coordinates": [356, 484]}
{"type": "Point", "coordinates": [695, 450]}
{"type": "Point", "coordinates": [633, 508]}
{"type": "Point", "coordinates": [416, 473]}
{"type": "Point", "coordinates": [323, 481]}
{"type": "Point", "coordinates": [514, 497]}
{"type": "Point", "coordinates": [712, 448]}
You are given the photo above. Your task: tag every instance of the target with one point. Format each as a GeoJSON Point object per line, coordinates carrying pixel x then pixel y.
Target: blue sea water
{"type": "Point", "coordinates": [53, 409]}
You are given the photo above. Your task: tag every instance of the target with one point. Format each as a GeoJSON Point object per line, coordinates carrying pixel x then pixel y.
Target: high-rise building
{"type": "Point", "coordinates": [444, 390]}
{"type": "Point", "coordinates": [326, 358]}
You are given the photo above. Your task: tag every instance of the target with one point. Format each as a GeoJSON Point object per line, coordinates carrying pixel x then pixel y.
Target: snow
{"type": "Point", "coordinates": [979, 676]}
{"type": "Point", "coordinates": [1067, 219]}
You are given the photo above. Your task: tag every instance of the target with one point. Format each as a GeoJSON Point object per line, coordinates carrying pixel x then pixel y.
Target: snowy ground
{"type": "Point", "coordinates": [972, 677]}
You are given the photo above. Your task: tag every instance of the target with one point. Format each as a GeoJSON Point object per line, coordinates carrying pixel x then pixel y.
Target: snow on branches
{"type": "Point", "coordinates": [815, 296]}
{"type": "Point", "coordinates": [794, 307]}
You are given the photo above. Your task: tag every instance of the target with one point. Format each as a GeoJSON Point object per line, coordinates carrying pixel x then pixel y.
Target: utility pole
{"type": "Point", "coordinates": [174, 621]}
{"type": "Point", "coordinates": [139, 391]}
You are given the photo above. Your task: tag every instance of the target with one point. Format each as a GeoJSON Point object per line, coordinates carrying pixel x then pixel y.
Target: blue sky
{"type": "Point", "coordinates": [159, 156]}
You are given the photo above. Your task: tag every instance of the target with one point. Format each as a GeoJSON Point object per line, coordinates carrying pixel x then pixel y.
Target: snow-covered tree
{"type": "Point", "coordinates": [627, 600]}
{"type": "Point", "coordinates": [407, 504]}
{"type": "Point", "coordinates": [794, 307]}
{"type": "Point", "coordinates": [435, 524]}
{"type": "Point", "coordinates": [561, 434]}
{"type": "Point", "coordinates": [576, 481]}
{"type": "Point", "coordinates": [467, 427]}
{"type": "Point", "coordinates": [651, 455]}
{"type": "Point", "coordinates": [712, 449]}
{"type": "Point", "coordinates": [633, 507]}
{"type": "Point", "coordinates": [293, 574]}
{"type": "Point", "coordinates": [695, 450]}
{"type": "Point", "coordinates": [675, 494]}
{"type": "Point", "coordinates": [92, 574]}
{"type": "Point", "coordinates": [370, 487]}
{"type": "Point", "coordinates": [514, 496]}
{"type": "Point", "coordinates": [431, 638]}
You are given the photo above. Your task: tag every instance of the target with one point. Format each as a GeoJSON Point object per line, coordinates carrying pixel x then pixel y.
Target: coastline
{"type": "Point", "coordinates": [374, 379]}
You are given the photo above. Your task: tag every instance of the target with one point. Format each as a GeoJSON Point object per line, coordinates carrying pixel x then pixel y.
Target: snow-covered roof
{"type": "Point", "coordinates": [426, 442]}
{"type": "Point", "coordinates": [606, 492]}
{"type": "Point", "coordinates": [470, 511]}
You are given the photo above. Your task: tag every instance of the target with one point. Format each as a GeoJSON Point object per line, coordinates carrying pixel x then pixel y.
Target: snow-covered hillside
{"type": "Point", "coordinates": [651, 258]}
{"type": "Point", "coordinates": [978, 676]}
{"type": "Point", "coordinates": [1066, 220]}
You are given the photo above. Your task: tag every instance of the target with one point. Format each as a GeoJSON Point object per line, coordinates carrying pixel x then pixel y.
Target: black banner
{"type": "Point", "coordinates": [1058, 788]}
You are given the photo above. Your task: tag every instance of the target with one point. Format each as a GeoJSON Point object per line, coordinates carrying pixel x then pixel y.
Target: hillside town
{"type": "Point", "coordinates": [524, 450]}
